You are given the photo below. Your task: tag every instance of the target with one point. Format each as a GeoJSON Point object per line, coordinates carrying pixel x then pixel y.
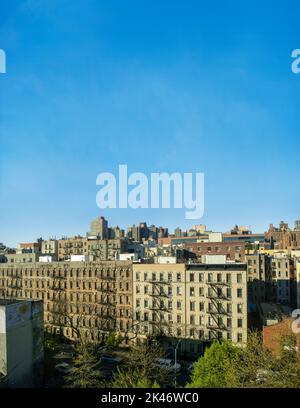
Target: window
{"type": "Point", "coordinates": [179, 277]}
{"type": "Point", "coordinates": [192, 291]}
{"type": "Point", "coordinates": [201, 291]}
{"type": "Point", "coordinates": [240, 323]}
{"type": "Point", "coordinates": [239, 292]}
{"type": "Point", "coordinates": [178, 305]}
{"type": "Point", "coordinates": [219, 277]}
{"type": "Point", "coordinates": [239, 308]}
{"type": "Point", "coordinates": [239, 337]}
{"type": "Point", "coordinates": [192, 306]}
{"type": "Point", "coordinates": [178, 318]}
{"type": "Point", "coordinates": [201, 277]}
{"type": "Point", "coordinates": [192, 277]}
{"type": "Point", "coordinates": [239, 278]}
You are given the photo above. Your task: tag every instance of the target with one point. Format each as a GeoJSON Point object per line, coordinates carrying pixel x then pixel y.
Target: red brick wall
{"type": "Point", "coordinates": [218, 248]}
{"type": "Point", "coordinates": [272, 334]}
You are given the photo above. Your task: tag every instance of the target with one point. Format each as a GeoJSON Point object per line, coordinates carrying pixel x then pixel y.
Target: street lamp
{"type": "Point", "coordinates": [175, 366]}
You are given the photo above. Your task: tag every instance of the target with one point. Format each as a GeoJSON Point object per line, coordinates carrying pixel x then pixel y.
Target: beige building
{"type": "Point", "coordinates": [71, 246]}
{"type": "Point", "coordinates": [197, 303]}
{"type": "Point", "coordinates": [259, 277]}
{"type": "Point", "coordinates": [298, 282]}
{"type": "Point", "coordinates": [192, 303]}
{"type": "Point", "coordinates": [22, 258]}
{"type": "Point", "coordinates": [81, 299]}
{"type": "Point", "coordinates": [281, 283]}
{"type": "Point", "coordinates": [99, 228]}
{"type": "Point", "coordinates": [50, 247]}
{"type": "Point", "coordinates": [105, 249]}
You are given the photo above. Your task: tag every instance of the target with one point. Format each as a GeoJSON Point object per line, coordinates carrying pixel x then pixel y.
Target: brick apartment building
{"type": "Point", "coordinates": [80, 299]}
{"type": "Point", "coordinates": [234, 251]}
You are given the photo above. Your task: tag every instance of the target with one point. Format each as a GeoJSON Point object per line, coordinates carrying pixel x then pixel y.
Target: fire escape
{"type": "Point", "coordinates": [216, 310]}
{"type": "Point", "coordinates": [159, 306]}
{"type": "Point", "coordinates": [107, 300]}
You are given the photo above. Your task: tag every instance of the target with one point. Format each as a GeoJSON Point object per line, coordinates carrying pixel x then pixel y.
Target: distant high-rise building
{"type": "Point", "coordinates": [162, 232]}
{"type": "Point", "coordinates": [99, 227]}
{"type": "Point", "coordinates": [144, 231]}
{"type": "Point", "coordinates": [178, 232]}
{"type": "Point", "coordinates": [199, 228]}
{"type": "Point", "coordinates": [153, 232]}
{"type": "Point", "coordinates": [134, 233]}
{"type": "Point", "coordinates": [297, 225]}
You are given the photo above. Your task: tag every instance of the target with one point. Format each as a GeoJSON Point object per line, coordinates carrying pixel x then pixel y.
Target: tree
{"type": "Point", "coordinates": [214, 369]}
{"type": "Point", "coordinates": [252, 366]}
{"type": "Point", "coordinates": [124, 378]}
{"type": "Point", "coordinates": [86, 372]}
{"type": "Point", "coordinates": [141, 369]}
{"type": "Point", "coordinates": [113, 340]}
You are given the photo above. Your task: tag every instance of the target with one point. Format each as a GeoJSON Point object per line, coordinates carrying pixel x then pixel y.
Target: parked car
{"type": "Point", "coordinates": [63, 368]}
{"type": "Point", "coordinates": [169, 364]}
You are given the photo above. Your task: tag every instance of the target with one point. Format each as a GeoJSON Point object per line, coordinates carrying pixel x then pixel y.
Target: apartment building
{"type": "Point", "coordinates": [50, 247]}
{"type": "Point", "coordinates": [21, 258]}
{"type": "Point", "coordinates": [234, 251]}
{"type": "Point", "coordinates": [72, 246]}
{"type": "Point", "coordinates": [281, 279]}
{"type": "Point", "coordinates": [298, 283]}
{"type": "Point", "coordinates": [259, 277]}
{"type": "Point", "coordinates": [99, 228]}
{"type": "Point", "coordinates": [105, 249]}
{"type": "Point", "coordinates": [81, 299]}
{"type": "Point", "coordinates": [194, 303]}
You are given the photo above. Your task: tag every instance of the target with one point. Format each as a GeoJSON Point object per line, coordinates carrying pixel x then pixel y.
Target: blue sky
{"type": "Point", "coordinates": [167, 85]}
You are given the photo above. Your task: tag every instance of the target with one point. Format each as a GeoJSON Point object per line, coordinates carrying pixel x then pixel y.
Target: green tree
{"type": "Point", "coordinates": [113, 340]}
{"type": "Point", "coordinates": [123, 378]}
{"type": "Point", "coordinates": [215, 368]}
{"type": "Point", "coordinates": [86, 372]}
{"type": "Point", "coordinates": [252, 366]}
{"type": "Point", "coordinates": [141, 370]}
